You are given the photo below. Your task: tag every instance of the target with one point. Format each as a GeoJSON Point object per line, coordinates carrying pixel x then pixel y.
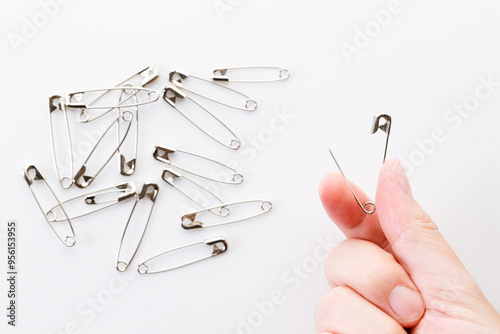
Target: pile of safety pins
{"type": "Point", "coordinates": [124, 100]}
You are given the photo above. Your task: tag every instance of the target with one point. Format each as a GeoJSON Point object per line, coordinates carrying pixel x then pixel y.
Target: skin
{"type": "Point", "coordinates": [395, 273]}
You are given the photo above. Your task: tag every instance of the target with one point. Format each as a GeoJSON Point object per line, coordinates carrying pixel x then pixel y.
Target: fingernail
{"type": "Point", "coordinates": [402, 179]}
{"type": "Point", "coordinates": [406, 303]}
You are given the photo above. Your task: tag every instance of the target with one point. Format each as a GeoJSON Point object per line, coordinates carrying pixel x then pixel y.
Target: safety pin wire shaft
{"type": "Point", "coordinates": [172, 93]}
{"type": "Point", "coordinates": [56, 104]}
{"type": "Point", "coordinates": [126, 163]}
{"type": "Point", "coordinates": [31, 175]}
{"type": "Point", "coordinates": [162, 152]}
{"type": "Point", "coordinates": [221, 74]}
{"type": "Point", "coordinates": [177, 77]}
{"type": "Point", "coordinates": [82, 180]}
{"type": "Point", "coordinates": [367, 204]}
{"type": "Point", "coordinates": [92, 202]}
{"type": "Point", "coordinates": [191, 220]}
{"type": "Point", "coordinates": [169, 175]}
{"type": "Point", "coordinates": [149, 191]}
{"type": "Point", "coordinates": [219, 246]}
{"type": "Point", "coordinates": [149, 74]}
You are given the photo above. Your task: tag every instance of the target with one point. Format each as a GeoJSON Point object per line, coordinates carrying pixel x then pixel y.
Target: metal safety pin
{"type": "Point", "coordinates": [171, 94]}
{"type": "Point", "coordinates": [127, 165]}
{"type": "Point", "coordinates": [191, 221]}
{"type": "Point", "coordinates": [82, 179]}
{"type": "Point", "coordinates": [169, 175]}
{"type": "Point", "coordinates": [221, 74]}
{"type": "Point", "coordinates": [177, 77]}
{"type": "Point", "coordinates": [161, 153]}
{"type": "Point", "coordinates": [75, 100]}
{"type": "Point", "coordinates": [104, 198]}
{"type": "Point", "coordinates": [148, 75]}
{"type": "Point", "coordinates": [376, 125]}
{"type": "Point", "coordinates": [386, 127]}
{"type": "Point", "coordinates": [149, 191]}
{"type": "Point", "coordinates": [32, 174]}
{"type": "Point", "coordinates": [56, 105]}
{"type": "Point", "coordinates": [218, 246]}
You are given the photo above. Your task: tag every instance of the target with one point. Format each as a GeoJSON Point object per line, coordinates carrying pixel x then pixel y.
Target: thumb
{"type": "Point", "coordinates": [415, 239]}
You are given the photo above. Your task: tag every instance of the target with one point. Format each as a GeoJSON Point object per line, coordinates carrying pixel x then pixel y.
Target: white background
{"type": "Point", "coordinates": [426, 60]}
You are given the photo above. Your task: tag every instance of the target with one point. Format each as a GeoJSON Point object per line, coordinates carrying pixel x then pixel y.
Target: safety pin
{"type": "Point", "coordinates": [75, 100]}
{"type": "Point", "coordinates": [56, 104]}
{"type": "Point", "coordinates": [221, 74]}
{"type": "Point", "coordinates": [218, 245]}
{"type": "Point", "coordinates": [161, 153]}
{"type": "Point", "coordinates": [386, 127]}
{"type": "Point", "coordinates": [176, 77]}
{"type": "Point", "coordinates": [82, 179]}
{"type": "Point", "coordinates": [169, 175]}
{"type": "Point", "coordinates": [149, 191]}
{"type": "Point", "coordinates": [127, 166]}
{"type": "Point", "coordinates": [105, 198]}
{"type": "Point", "coordinates": [367, 204]}
{"type": "Point", "coordinates": [32, 174]}
{"type": "Point", "coordinates": [148, 75]}
{"type": "Point", "coordinates": [171, 94]}
{"type": "Point", "coordinates": [191, 221]}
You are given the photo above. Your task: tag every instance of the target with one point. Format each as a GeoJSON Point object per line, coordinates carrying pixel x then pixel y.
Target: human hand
{"type": "Point", "coordinates": [395, 270]}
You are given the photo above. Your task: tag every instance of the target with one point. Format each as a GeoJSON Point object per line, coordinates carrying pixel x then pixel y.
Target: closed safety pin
{"type": "Point", "coordinates": [192, 221]}
{"type": "Point", "coordinates": [169, 175]}
{"type": "Point", "coordinates": [161, 153]}
{"type": "Point", "coordinates": [140, 79]}
{"type": "Point", "coordinates": [218, 246]}
{"type": "Point", "coordinates": [94, 201]}
{"type": "Point", "coordinates": [75, 100]}
{"type": "Point", "coordinates": [127, 161]}
{"type": "Point", "coordinates": [386, 127]}
{"type": "Point", "coordinates": [57, 107]}
{"type": "Point", "coordinates": [67, 235]}
{"type": "Point", "coordinates": [171, 94]}
{"type": "Point", "coordinates": [278, 74]}
{"type": "Point", "coordinates": [82, 177]}
{"type": "Point", "coordinates": [149, 191]}
{"type": "Point", "coordinates": [177, 77]}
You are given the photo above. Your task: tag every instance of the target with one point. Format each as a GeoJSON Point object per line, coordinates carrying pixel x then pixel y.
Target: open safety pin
{"type": "Point", "coordinates": [95, 201]}
{"type": "Point", "coordinates": [161, 153]}
{"type": "Point", "coordinates": [386, 127]}
{"type": "Point", "coordinates": [149, 191]}
{"type": "Point", "coordinates": [192, 221]}
{"type": "Point", "coordinates": [169, 175]}
{"type": "Point", "coordinates": [221, 74]}
{"type": "Point", "coordinates": [146, 75]}
{"type": "Point", "coordinates": [82, 179]}
{"type": "Point", "coordinates": [172, 93]}
{"type": "Point", "coordinates": [32, 175]}
{"type": "Point", "coordinates": [57, 107]}
{"type": "Point", "coordinates": [177, 77]}
{"type": "Point", "coordinates": [218, 246]}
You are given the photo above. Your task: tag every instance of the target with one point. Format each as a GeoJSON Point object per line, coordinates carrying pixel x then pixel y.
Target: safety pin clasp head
{"type": "Point", "coordinates": [31, 174]}
{"type": "Point", "coordinates": [171, 94]}
{"type": "Point", "coordinates": [161, 153]}
{"type": "Point", "coordinates": [169, 175]}
{"type": "Point", "coordinates": [189, 222]}
{"type": "Point", "coordinates": [385, 126]}
{"type": "Point", "coordinates": [219, 245]}
{"type": "Point", "coordinates": [176, 77]}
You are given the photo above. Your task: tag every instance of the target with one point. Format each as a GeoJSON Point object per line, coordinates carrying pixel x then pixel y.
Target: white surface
{"type": "Point", "coordinates": [426, 60]}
